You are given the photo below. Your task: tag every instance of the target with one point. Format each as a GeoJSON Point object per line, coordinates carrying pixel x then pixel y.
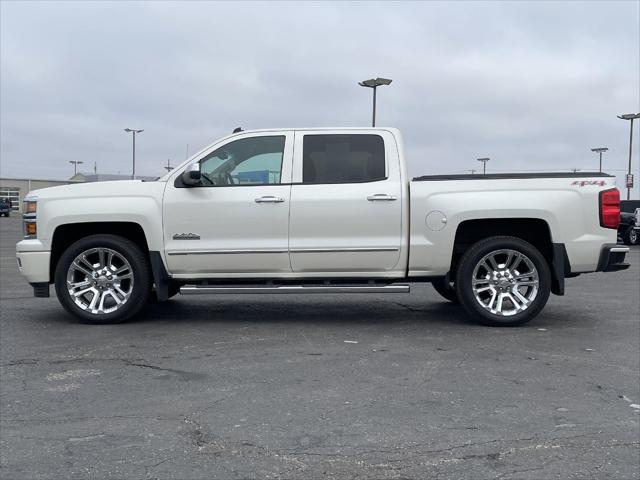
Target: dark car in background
{"type": "Point", "coordinates": [5, 207]}
{"type": "Point", "coordinates": [629, 228]}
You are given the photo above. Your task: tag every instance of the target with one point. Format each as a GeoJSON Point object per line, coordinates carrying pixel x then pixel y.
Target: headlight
{"type": "Point", "coordinates": [29, 206]}
{"type": "Point", "coordinates": [30, 227]}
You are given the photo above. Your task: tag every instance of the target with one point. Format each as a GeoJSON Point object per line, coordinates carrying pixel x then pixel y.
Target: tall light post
{"type": "Point", "coordinates": [629, 179]}
{"type": "Point", "coordinates": [75, 165]}
{"type": "Point", "coordinates": [134, 131]}
{"type": "Point", "coordinates": [600, 150]}
{"type": "Point", "coordinates": [484, 164]}
{"type": "Point", "coordinates": [374, 83]}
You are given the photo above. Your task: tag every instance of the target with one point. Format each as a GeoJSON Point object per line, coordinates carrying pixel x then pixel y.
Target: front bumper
{"type": "Point", "coordinates": [34, 266]}
{"type": "Point", "coordinates": [612, 258]}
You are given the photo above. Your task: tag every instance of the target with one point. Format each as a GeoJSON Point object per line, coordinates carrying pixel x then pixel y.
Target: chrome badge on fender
{"type": "Point", "coordinates": [186, 236]}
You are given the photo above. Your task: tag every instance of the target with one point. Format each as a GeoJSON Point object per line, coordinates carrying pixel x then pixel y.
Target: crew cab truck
{"type": "Point", "coordinates": [318, 211]}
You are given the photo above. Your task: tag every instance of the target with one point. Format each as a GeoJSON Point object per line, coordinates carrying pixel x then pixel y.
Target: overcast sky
{"type": "Point", "coordinates": [533, 85]}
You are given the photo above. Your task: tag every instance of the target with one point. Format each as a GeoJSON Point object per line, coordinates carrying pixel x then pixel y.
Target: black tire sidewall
{"type": "Point", "coordinates": [465, 273]}
{"type": "Point", "coordinates": [141, 271]}
{"type": "Point", "coordinates": [628, 240]}
{"type": "Point", "coordinates": [444, 288]}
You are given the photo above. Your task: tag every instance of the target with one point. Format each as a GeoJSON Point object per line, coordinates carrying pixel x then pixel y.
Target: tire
{"type": "Point", "coordinates": [631, 237]}
{"type": "Point", "coordinates": [123, 279]}
{"type": "Point", "coordinates": [446, 289]}
{"type": "Point", "coordinates": [503, 268]}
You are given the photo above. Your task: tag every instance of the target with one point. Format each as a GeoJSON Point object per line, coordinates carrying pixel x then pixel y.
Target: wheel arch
{"type": "Point", "coordinates": [535, 231]}
{"type": "Point", "coordinates": [67, 234]}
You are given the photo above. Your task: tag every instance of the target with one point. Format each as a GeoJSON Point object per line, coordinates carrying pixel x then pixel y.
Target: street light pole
{"type": "Point", "coordinates": [75, 165]}
{"type": "Point", "coordinates": [134, 131]}
{"type": "Point", "coordinates": [632, 117]}
{"type": "Point", "coordinates": [373, 119]}
{"type": "Point", "coordinates": [600, 150]}
{"type": "Point", "coordinates": [484, 164]}
{"type": "Point", "coordinates": [374, 83]}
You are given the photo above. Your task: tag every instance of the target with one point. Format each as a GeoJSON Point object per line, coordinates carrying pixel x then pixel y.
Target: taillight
{"type": "Point", "coordinates": [610, 208]}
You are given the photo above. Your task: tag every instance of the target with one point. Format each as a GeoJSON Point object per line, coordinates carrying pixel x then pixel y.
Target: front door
{"type": "Point", "coordinates": [236, 222]}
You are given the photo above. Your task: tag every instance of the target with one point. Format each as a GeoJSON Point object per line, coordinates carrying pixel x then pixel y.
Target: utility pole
{"type": "Point", "coordinates": [134, 131]}
{"type": "Point", "coordinates": [75, 165]}
{"type": "Point", "coordinates": [484, 164]}
{"type": "Point", "coordinates": [472, 171]}
{"type": "Point", "coordinates": [629, 179]}
{"type": "Point", "coordinates": [168, 168]}
{"type": "Point", "coordinates": [374, 83]}
{"type": "Point", "coordinates": [575, 170]}
{"type": "Point", "coordinates": [600, 150]}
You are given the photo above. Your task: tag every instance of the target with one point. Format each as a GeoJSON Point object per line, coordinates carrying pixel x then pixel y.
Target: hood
{"type": "Point", "coordinates": [115, 188]}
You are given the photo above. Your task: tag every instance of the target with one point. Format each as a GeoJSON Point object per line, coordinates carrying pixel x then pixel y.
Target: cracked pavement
{"type": "Point", "coordinates": [266, 387]}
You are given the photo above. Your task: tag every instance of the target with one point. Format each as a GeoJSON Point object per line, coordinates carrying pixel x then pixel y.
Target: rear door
{"type": "Point", "coordinates": [346, 203]}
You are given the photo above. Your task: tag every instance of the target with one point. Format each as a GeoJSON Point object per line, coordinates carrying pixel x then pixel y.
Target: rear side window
{"type": "Point", "coordinates": [342, 159]}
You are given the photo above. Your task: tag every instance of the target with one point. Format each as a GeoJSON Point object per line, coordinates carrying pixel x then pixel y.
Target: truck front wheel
{"type": "Point", "coordinates": [103, 279]}
{"type": "Point", "coordinates": [503, 281]}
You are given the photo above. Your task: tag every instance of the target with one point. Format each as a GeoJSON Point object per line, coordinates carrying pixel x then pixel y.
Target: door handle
{"type": "Point", "coordinates": [269, 199]}
{"type": "Point", "coordinates": [381, 197]}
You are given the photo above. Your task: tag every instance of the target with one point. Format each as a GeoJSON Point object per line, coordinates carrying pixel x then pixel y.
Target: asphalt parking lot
{"type": "Point", "coordinates": [357, 386]}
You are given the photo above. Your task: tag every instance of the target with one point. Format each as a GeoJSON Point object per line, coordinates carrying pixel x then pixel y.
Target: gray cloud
{"type": "Point", "coordinates": [532, 85]}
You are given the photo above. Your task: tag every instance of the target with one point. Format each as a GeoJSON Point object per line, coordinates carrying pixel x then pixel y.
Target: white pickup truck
{"type": "Point", "coordinates": [318, 211]}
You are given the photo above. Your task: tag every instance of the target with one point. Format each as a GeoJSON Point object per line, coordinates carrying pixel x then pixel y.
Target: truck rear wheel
{"type": "Point", "coordinates": [103, 279]}
{"type": "Point", "coordinates": [503, 281]}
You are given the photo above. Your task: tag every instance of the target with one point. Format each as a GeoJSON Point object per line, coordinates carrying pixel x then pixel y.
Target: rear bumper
{"type": "Point", "coordinates": [612, 258]}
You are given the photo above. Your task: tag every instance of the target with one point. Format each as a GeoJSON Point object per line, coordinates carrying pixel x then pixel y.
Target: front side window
{"type": "Point", "coordinates": [247, 161]}
{"type": "Point", "coordinates": [342, 159]}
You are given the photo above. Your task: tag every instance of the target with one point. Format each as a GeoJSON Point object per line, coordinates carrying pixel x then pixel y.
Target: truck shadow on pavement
{"type": "Point", "coordinates": [301, 311]}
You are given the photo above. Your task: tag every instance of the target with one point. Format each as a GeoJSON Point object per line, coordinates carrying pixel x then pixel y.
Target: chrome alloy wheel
{"type": "Point", "coordinates": [505, 282]}
{"type": "Point", "coordinates": [100, 280]}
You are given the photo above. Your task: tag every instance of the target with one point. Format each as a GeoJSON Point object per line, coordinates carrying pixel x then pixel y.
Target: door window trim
{"type": "Point", "coordinates": [297, 174]}
{"type": "Point", "coordinates": [285, 163]}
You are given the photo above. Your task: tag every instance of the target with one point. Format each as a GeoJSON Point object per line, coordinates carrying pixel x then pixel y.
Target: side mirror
{"type": "Point", "coordinates": [191, 176]}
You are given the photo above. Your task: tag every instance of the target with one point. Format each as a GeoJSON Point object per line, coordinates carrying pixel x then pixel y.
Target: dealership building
{"type": "Point", "coordinates": [16, 188]}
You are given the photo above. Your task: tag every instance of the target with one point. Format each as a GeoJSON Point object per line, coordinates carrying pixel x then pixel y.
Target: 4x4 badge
{"type": "Point", "coordinates": [186, 236]}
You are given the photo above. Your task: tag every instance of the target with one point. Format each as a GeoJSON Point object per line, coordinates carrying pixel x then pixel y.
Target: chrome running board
{"type": "Point", "coordinates": [300, 289]}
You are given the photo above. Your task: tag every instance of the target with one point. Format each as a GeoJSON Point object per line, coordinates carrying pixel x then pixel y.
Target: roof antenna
{"type": "Point", "coordinates": [238, 130]}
